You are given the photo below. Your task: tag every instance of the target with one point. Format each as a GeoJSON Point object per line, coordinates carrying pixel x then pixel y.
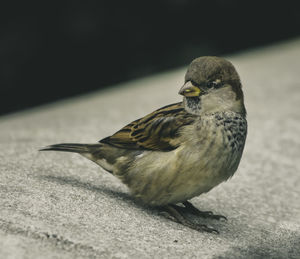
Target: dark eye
{"type": "Point", "coordinates": [215, 84]}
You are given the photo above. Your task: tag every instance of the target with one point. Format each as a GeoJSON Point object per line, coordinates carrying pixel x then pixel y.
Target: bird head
{"type": "Point", "coordinates": [212, 85]}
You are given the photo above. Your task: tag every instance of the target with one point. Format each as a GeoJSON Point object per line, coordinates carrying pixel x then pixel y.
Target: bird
{"type": "Point", "coordinates": [181, 150]}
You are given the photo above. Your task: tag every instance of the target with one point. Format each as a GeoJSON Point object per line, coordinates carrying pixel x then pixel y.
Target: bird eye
{"type": "Point", "coordinates": [215, 84]}
{"type": "Point", "coordinates": [210, 84]}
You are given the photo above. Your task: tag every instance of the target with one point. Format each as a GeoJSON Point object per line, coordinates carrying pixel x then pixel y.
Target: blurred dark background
{"type": "Point", "coordinates": [54, 49]}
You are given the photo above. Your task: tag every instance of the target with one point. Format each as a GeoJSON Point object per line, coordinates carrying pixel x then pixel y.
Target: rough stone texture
{"type": "Point", "coordinates": [60, 205]}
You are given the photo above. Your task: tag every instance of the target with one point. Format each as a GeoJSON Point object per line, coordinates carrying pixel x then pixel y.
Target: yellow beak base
{"type": "Point", "coordinates": [189, 90]}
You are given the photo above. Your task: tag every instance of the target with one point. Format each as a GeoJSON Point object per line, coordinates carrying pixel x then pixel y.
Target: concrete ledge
{"type": "Point", "coordinates": [59, 205]}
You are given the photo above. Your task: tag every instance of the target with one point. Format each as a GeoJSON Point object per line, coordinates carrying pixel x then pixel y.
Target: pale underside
{"type": "Point", "coordinates": [160, 178]}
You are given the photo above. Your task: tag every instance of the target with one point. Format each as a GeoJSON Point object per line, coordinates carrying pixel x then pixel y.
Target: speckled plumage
{"type": "Point", "coordinates": [185, 172]}
{"type": "Point", "coordinates": [181, 150]}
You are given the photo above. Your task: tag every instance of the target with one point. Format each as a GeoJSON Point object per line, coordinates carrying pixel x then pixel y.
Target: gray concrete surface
{"type": "Point", "coordinates": [59, 205]}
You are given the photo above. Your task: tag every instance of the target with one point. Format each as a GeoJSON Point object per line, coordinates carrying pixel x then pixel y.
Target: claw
{"type": "Point", "coordinates": [207, 229]}
{"type": "Point", "coordinates": [167, 216]}
{"type": "Point", "coordinates": [221, 217]}
{"type": "Point", "coordinates": [172, 212]}
{"type": "Point", "coordinates": [204, 214]}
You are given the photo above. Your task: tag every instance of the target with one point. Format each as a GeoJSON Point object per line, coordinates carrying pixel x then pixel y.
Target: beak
{"type": "Point", "coordinates": [189, 90]}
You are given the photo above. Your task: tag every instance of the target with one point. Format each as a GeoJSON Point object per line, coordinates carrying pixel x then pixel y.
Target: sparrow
{"type": "Point", "coordinates": [180, 150]}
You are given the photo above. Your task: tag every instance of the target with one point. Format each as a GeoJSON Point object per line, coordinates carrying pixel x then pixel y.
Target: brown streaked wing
{"type": "Point", "coordinates": [158, 130]}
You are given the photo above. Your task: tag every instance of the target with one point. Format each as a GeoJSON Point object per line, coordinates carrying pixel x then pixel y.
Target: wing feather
{"type": "Point", "coordinates": [159, 130]}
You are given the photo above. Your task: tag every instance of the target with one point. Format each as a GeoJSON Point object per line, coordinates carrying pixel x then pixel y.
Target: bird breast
{"type": "Point", "coordinates": [210, 152]}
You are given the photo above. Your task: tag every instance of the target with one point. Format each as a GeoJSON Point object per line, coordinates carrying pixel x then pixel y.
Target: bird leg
{"type": "Point", "coordinates": [172, 212]}
{"type": "Point", "coordinates": [204, 214]}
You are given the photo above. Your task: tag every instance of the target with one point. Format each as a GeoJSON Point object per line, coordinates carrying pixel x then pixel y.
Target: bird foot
{"type": "Point", "coordinates": [204, 214]}
{"type": "Point", "coordinates": [171, 212]}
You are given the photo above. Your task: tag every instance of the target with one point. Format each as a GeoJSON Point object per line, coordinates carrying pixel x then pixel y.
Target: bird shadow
{"type": "Point", "coordinates": [119, 195]}
{"type": "Point", "coordinates": [279, 245]}
{"type": "Point", "coordinates": [286, 244]}
{"type": "Point", "coordinates": [74, 182]}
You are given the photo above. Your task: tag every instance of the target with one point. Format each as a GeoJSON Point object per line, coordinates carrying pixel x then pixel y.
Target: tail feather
{"type": "Point", "coordinates": [71, 147]}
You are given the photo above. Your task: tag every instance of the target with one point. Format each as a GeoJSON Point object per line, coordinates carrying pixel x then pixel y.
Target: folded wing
{"type": "Point", "coordinates": [159, 130]}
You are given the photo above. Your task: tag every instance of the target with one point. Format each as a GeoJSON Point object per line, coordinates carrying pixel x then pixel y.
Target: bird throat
{"type": "Point", "coordinates": [192, 105]}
